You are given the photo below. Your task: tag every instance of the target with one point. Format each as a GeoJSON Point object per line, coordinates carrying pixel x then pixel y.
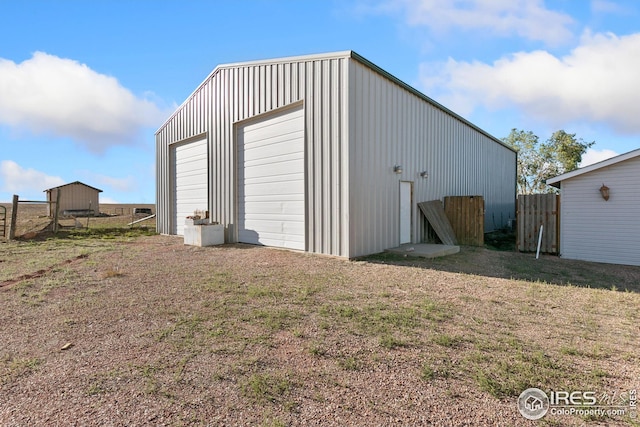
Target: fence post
{"type": "Point", "coordinates": [14, 217]}
{"type": "Point", "coordinates": [56, 212]}
{"type": "Point", "coordinates": [88, 214]}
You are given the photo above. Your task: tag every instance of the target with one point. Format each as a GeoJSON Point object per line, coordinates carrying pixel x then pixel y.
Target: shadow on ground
{"type": "Point", "coordinates": [524, 266]}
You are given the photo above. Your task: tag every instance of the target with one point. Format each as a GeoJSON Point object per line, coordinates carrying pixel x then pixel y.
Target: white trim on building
{"type": "Point", "coordinates": [602, 164]}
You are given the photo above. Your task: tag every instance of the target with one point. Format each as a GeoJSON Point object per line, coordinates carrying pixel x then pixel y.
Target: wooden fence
{"type": "Point", "coordinates": [535, 210]}
{"type": "Point", "coordinates": [466, 215]}
{"type": "Point", "coordinates": [3, 221]}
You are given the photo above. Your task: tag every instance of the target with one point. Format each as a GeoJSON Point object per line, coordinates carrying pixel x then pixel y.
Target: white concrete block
{"type": "Point", "coordinates": [204, 235]}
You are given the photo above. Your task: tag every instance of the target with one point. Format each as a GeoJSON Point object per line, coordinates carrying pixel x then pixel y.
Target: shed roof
{"type": "Point", "coordinates": [72, 183]}
{"type": "Point", "coordinates": [341, 54]}
{"type": "Point", "coordinates": [603, 164]}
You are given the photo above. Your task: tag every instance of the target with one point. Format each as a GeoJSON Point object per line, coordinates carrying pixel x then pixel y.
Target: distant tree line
{"type": "Point", "coordinates": [539, 161]}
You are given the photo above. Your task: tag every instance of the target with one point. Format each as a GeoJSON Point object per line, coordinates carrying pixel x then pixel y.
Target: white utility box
{"type": "Point", "coordinates": [203, 234]}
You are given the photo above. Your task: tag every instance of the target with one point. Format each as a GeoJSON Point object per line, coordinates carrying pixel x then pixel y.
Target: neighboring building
{"type": "Point", "coordinates": [74, 197]}
{"type": "Point", "coordinates": [595, 229]}
{"type": "Point", "coordinates": [324, 153]}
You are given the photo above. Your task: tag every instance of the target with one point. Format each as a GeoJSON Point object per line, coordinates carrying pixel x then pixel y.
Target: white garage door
{"type": "Point", "coordinates": [271, 205]}
{"type": "Point", "coordinates": [190, 180]}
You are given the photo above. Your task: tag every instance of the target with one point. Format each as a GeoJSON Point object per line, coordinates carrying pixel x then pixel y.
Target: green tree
{"type": "Point", "coordinates": [538, 161]}
{"type": "Point", "coordinates": [567, 150]}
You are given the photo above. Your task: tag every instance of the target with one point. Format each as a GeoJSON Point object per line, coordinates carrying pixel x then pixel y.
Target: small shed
{"type": "Point", "coordinates": [324, 153]}
{"type": "Point", "coordinates": [75, 197]}
{"type": "Point", "coordinates": [599, 209]}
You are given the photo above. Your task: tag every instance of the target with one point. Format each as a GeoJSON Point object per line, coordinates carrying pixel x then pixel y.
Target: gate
{"type": "Point", "coordinates": [535, 210]}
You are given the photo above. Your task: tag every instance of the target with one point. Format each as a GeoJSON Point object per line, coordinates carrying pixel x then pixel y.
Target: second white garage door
{"type": "Point", "coordinates": [271, 204]}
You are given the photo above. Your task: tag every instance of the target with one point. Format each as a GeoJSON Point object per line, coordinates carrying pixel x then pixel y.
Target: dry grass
{"type": "Point", "coordinates": [168, 334]}
{"type": "Point", "coordinates": [40, 250]}
{"type": "Point", "coordinates": [33, 222]}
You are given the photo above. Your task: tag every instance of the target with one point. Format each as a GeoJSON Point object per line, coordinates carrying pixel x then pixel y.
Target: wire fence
{"type": "Point", "coordinates": [28, 218]}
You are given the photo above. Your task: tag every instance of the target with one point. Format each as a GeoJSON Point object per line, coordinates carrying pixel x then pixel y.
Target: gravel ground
{"type": "Point", "coordinates": [151, 332]}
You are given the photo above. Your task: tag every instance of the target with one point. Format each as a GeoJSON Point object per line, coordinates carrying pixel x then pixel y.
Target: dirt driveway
{"type": "Point", "coordinates": [147, 331]}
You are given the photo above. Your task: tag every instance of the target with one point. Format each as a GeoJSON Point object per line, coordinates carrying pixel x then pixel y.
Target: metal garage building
{"type": "Point", "coordinates": [324, 153]}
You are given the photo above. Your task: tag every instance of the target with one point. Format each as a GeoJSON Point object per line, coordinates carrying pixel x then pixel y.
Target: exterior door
{"type": "Point", "coordinates": [271, 190]}
{"type": "Point", "coordinates": [405, 211]}
{"type": "Point", "coordinates": [190, 181]}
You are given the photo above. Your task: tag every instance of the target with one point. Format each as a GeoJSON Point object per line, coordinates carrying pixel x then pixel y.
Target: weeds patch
{"type": "Point", "coordinates": [11, 368]}
{"type": "Point", "coordinates": [390, 342]}
{"type": "Point", "coordinates": [318, 350]}
{"type": "Point", "coordinates": [349, 363]}
{"type": "Point", "coordinates": [446, 340]}
{"type": "Point", "coordinates": [275, 319]}
{"type": "Point", "coordinates": [383, 319]}
{"type": "Point", "coordinates": [427, 373]}
{"type": "Point", "coordinates": [264, 387]}
{"type": "Point", "coordinates": [182, 333]}
{"type": "Point", "coordinates": [507, 366]}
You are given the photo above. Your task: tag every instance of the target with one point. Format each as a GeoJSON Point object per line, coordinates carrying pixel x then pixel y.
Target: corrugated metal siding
{"type": "Point", "coordinates": [235, 93]}
{"type": "Point", "coordinates": [392, 125]}
{"type": "Point", "coordinates": [593, 229]}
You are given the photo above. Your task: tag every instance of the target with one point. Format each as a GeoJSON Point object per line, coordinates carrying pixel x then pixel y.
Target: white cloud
{"type": "Point", "coordinates": [61, 97]}
{"type": "Point", "coordinates": [529, 19]}
{"type": "Point", "coordinates": [125, 184]}
{"type": "Point", "coordinates": [596, 81]}
{"type": "Point", "coordinates": [121, 184]}
{"type": "Point", "coordinates": [594, 156]}
{"type": "Point", "coordinates": [17, 179]}
{"type": "Point", "coordinates": [605, 6]}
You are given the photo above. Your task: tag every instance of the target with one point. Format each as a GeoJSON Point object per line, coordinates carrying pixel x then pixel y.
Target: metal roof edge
{"type": "Point", "coordinates": [339, 54]}
{"type": "Point", "coordinates": [315, 56]}
{"type": "Point", "coordinates": [421, 95]}
{"type": "Point", "coordinates": [298, 58]}
{"type": "Point", "coordinates": [599, 165]}
{"type": "Point", "coordinates": [71, 183]}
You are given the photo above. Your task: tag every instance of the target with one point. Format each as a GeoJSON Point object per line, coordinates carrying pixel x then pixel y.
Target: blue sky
{"type": "Point", "coordinates": [85, 84]}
